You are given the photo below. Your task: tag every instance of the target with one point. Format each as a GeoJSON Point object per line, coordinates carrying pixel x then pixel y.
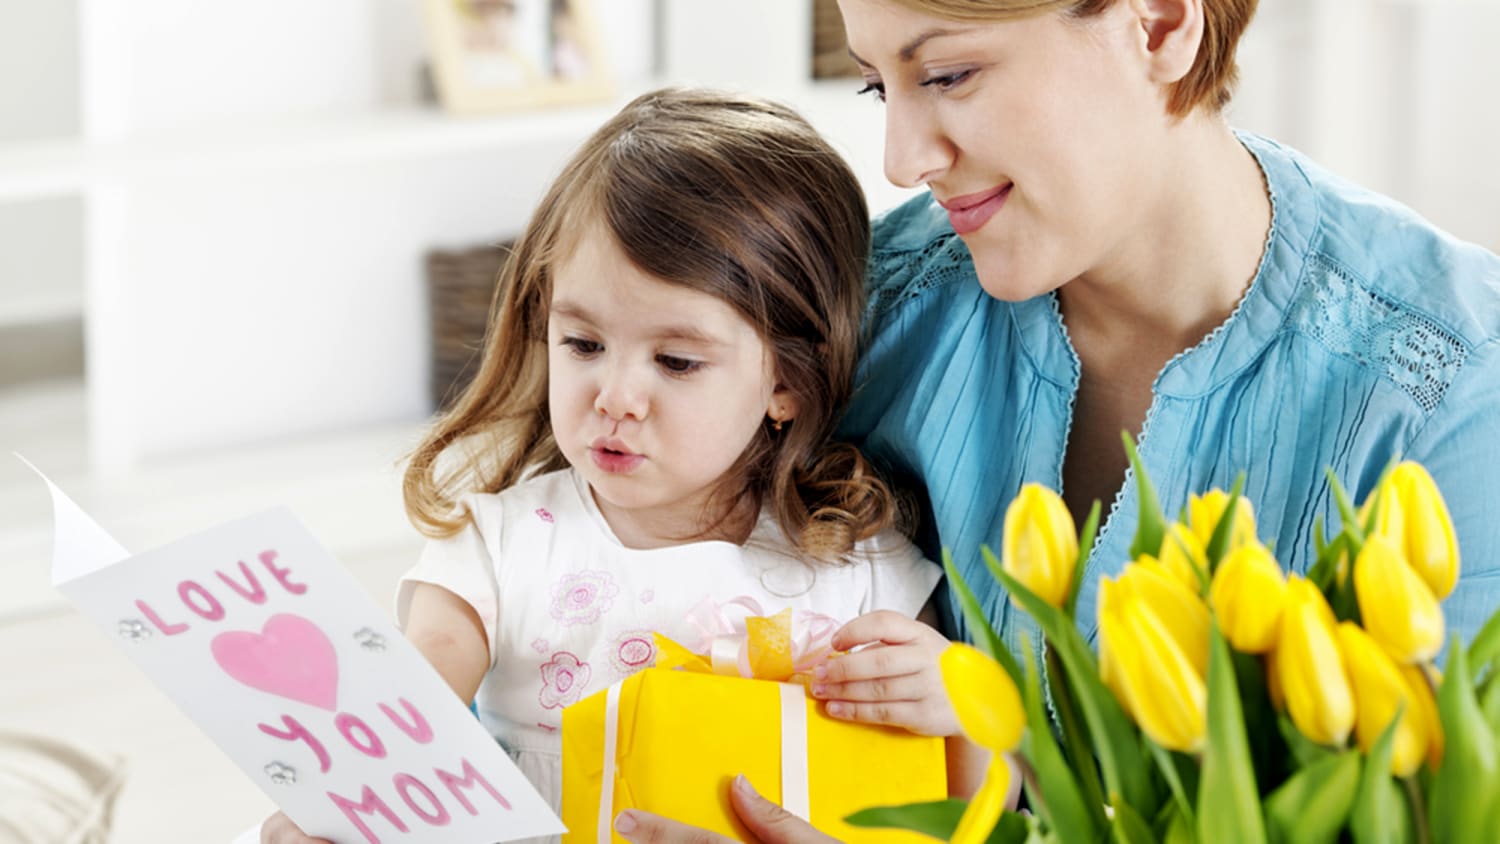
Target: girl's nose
{"type": "Point", "coordinates": [916, 149]}
{"type": "Point", "coordinates": [621, 395]}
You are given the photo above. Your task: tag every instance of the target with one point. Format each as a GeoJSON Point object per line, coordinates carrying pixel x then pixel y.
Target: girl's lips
{"type": "Point", "coordinates": [968, 214]}
{"type": "Point", "coordinates": [615, 462]}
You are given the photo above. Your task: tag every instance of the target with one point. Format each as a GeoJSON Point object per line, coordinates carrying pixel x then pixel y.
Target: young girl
{"type": "Point", "coordinates": [671, 343]}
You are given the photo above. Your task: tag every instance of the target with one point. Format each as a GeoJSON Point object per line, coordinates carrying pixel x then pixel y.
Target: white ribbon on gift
{"type": "Point", "coordinates": [795, 796]}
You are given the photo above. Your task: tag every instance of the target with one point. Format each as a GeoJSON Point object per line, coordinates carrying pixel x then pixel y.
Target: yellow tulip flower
{"type": "Point", "coordinates": [1040, 545]}
{"type": "Point", "coordinates": [1310, 666]}
{"type": "Point", "coordinates": [989, 710]}
{"type": "Point", "coordinates": [1423, 679]}
{"type": "Point", "coordinates": [1417, 523]}
{"type": "Point", "coordinates": [1204, 512]}
{"type": "Point", "coordinates": [1183, 555]}
{"type": "Point", "coordinates": [1397, 606]}
{"type": "Point", "coordinates": [1380, 692]}
{"type": "Point", "coordinates": [1181, 611]}
{"type": "Point", "coordinates": [1247, 594]}
{"type": "Point", "coordinates": [1161, 689]}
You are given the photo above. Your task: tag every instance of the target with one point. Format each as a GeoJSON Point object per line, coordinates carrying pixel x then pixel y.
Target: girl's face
{"type": "Point", "coordinates": [1039, 135]}
{"type": "Point", "coordinates": [655, 389]}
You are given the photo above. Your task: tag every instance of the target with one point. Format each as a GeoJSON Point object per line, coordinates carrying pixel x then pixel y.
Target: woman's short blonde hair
{"type": "Point", "coordinates": [1211, 80]}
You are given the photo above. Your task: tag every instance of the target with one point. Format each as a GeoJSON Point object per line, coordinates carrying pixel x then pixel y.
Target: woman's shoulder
{"type": "Point", "coordinates": [1380, 284]}
{"type": "Point", "coordinates": [914, 251]}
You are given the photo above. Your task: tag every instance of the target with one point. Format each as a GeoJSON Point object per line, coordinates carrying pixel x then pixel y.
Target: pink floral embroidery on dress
{"type": "Point", "coordinates": [563, 680]}
{"type": "Point", "coordinates": [631, 651]}
{"type": "Point", "coordinates": [540, 645]}
{"type": "Point", "coordinates": [648, 595]}
{"type": "Point", "coordinates": [544, 514]}
{"type": "Point", "coordinates": [580, 598]}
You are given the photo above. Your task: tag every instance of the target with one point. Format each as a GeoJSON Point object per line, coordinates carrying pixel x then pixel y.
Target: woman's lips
{"type": "Point", "coordinates": [969, 213]}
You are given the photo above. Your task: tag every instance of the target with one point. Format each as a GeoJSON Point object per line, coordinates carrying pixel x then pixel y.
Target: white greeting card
{"type": "Point", "coordinates": [258, 634]}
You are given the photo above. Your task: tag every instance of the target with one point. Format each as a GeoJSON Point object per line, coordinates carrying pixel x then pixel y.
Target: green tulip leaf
{"type": "Point", "coordinates": [1178, 829]}
{"type": "Point", "coordinates": [1347, 513]}
{"type": "Point", "coordinates": [1152, 527]}
{"type": "Point", "coordinates": [937, 819]}
{"type": "Point", "coordinates": [1312, 806]}
{"type": "Point", "coordinates": [1229, 807]}
{"type": "Point", "coordinates": [1085, 550]}
{"type": "Point", "coordinates": [1128, 827]}
{"type": "Point", "coordinates": [1377, 815]}
{"type": "Point", "coordinates": [1074, 812]}
{"type": "Point", "coordinates": [1304, 750]}
{"type": "Point", "coordinates": [1166, 762]}
{"type": "Point", "coordinates": [1484, 648]}
{"type": "Point", "coordinates": [1125, 764]}
{"type": "Point", "coordinates": [1463, 792]}
{"type": "Point", "coordinates": [983, 634]}
{"type": "Point", "coordinates": [1218, 541]}
{"type": "Point", "coordinates": [1079, 745]}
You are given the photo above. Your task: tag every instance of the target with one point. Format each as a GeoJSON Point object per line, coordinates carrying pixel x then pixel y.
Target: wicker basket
{"type": "Point", "coordinates": [830, 50]}
{"type": "Point", "coordinates": [460, 285]}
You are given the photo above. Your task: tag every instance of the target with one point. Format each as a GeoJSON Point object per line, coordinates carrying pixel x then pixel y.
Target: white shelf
{"type": "Point", "coordinates": [67, 167]}
{"type": "Point", "coordinates": [31, 310]}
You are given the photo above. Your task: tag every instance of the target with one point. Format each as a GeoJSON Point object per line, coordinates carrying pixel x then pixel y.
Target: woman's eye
{"type": "Point", "coordinates": [947, 81]}
{"type": "Point", "coordinates": [876, 88]}
{"type": "Point", "coordinates": [676, 365]}
{"type": "Point", "coordinates": [582, 348]}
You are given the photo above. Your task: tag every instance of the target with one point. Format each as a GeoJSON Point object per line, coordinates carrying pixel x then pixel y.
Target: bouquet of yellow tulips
{"type": "Point", "coordinates": [1227, 701]}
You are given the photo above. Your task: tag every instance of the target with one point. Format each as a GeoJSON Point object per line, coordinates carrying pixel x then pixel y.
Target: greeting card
{"type": "Point", "coordinates": [257, 633]}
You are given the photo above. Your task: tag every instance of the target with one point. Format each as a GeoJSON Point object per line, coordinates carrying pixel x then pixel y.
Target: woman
{"type": "Point", "coordinates": [1141, 267]}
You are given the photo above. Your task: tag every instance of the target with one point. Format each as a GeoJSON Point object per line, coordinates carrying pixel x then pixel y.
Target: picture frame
{"type": "Point", "coordinates": [491, 56]}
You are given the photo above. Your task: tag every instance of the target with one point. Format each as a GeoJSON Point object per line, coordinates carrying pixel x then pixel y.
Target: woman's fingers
{"type": "Point", "coordinates": [636, 825]}
{"type": "Point", "coordinates": [279, 829]}
{"type": "Point", "coordinates": [771, 823]}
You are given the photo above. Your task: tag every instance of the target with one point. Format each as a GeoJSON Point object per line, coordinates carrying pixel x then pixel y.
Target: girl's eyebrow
{"type": "Point", "coordinates": [909, 50]}
{"type": "Point", "coordinates": [689, 333]}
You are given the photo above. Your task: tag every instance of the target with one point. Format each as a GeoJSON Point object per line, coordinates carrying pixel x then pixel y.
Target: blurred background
{"type": "Point", "coordinates": [226, 231]}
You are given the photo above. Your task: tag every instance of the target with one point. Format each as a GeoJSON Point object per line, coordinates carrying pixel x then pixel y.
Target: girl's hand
{"type": "Point", "coordinates": [279, 829]}
{"type": "Point", "coordinates": [894, 679]}
{"type": "Point", "coordinates": [770, 823]}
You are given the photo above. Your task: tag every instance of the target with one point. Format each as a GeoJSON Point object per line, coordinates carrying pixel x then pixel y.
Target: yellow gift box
{"type": "Point", "coordinates": [670, 739]}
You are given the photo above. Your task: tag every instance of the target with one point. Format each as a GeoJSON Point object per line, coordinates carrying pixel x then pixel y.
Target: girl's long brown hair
{"type": "Point", "coordinates": [734, 196]}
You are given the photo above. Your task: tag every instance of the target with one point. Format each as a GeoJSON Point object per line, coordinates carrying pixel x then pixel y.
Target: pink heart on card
{"type": "Point", "coordinates": [291, 658]}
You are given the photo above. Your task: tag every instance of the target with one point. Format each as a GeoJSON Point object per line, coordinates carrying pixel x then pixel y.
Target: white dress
{"type": "Point", "coordinates": [569, 610]}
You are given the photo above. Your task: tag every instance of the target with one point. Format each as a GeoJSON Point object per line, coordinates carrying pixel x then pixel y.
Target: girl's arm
{"type": "Point", "coordinates": [448, 633]}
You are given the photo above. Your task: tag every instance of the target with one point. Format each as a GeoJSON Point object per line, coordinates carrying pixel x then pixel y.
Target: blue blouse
{"type": "Point", "coordinates": [1367, 333]}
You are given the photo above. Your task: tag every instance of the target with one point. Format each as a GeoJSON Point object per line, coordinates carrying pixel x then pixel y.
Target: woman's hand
{"type": "Point", "coordinates": [279, 829]}
{"type": "Point", "coordinates": [894, 679]}
{"type": "Point", "coordinates": [770, 823]}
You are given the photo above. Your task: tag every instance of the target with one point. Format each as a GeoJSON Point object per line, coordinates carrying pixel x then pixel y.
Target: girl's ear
{"type": "Point", "coordinates": [1172, 34]}
{"type": "Point", "coordinates": [784, 405]}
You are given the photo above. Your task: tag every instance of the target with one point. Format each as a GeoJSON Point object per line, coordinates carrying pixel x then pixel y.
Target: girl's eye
{"type": "Point", "coordinates": [582, 348]}
{"type": "Point", "coordinates": [678, 366]}
{"type": "Point", "coordinates": [876, 88]}
{"type": "Point", "coordinates": [947, 81]}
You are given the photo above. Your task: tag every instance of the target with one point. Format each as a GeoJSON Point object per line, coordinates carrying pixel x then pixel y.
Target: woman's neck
{"type": "Point", "coordinates": [1194, 253]}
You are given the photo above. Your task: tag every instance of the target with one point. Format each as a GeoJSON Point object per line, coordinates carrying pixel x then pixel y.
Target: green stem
{"type": "Point", "coordinates": [1418, 809]}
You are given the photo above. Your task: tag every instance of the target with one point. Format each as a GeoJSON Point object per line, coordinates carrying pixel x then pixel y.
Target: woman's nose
{"type": "Point", "coordinates": [916, 149]}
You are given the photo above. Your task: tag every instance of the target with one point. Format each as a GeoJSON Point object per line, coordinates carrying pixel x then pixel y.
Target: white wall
{"type": "Point", "coordinates": [248, 291]}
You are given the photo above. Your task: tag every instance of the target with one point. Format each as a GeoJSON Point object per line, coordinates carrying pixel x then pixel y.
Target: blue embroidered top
{"type": "Point", "coordinates": [1366, 333]}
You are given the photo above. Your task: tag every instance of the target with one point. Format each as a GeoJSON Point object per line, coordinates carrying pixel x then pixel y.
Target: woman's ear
{"type": "Point", "coordinates": [1172, 33]}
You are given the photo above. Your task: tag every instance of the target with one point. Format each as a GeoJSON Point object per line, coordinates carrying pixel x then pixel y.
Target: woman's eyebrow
{"type": "Point", "coordinates": [909, 50]}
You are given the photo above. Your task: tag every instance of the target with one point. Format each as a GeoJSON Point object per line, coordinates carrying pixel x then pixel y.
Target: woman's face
{"type": "Point", "coordinates": [1042, 136]}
